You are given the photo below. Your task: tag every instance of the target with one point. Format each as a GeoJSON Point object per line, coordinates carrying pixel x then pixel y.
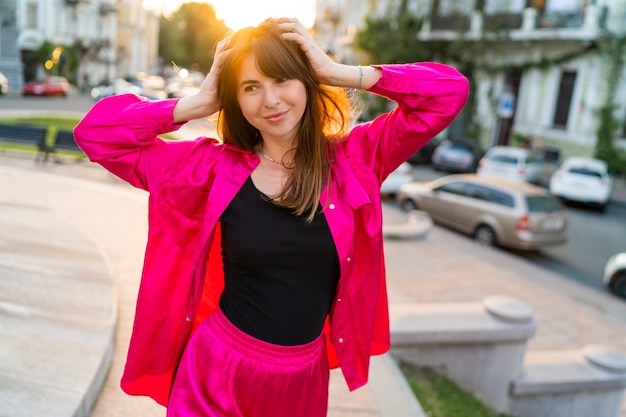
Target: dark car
{"type": "Point", "coordinates": [425, 154]}
{"type": "Point", "coordinates": [456, 156]}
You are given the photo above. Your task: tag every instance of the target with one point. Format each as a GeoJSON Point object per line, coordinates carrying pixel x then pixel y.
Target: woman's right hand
{"type": "Point", "coordinates": [206, 101]}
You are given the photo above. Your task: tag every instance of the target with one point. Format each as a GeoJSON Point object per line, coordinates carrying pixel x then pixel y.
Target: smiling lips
{"type": "Point", "coordinates": [275, 117]}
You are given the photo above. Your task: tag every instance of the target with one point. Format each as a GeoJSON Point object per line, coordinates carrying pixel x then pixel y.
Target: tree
{"type": "Point", "coordinates": [188, 37]}
{"type": "Point", "coordinates": [391, 40]}
{"type": "Point", "coordinates": [394, 39]}
{"type": "Point", "coordinates": [615, 50]}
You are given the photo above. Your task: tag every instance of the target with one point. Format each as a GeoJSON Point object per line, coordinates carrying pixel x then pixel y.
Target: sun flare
{"type": "Point", "coordinates": [241, 13]}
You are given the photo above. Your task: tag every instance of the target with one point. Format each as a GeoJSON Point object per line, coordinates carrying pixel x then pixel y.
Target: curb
{"type": "Point", "coordinates": [391, 390]}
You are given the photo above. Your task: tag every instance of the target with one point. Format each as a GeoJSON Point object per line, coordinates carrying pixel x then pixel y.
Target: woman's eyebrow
{"type": "Point", "coordinates": [246, 82]}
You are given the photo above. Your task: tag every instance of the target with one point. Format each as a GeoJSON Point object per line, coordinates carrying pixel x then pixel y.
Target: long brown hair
{"type": "Point", "coordinates": [325, 120]}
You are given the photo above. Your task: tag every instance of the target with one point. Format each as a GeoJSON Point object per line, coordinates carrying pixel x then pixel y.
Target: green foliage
{"type": "Point", "coordinates": [391, 40]}
{"type": "Point", "coordinates": [441, 397]}
{"type": "Point", "coordinates": [189, 35]}
{"type": "Point", "coordinates": [608, 124]}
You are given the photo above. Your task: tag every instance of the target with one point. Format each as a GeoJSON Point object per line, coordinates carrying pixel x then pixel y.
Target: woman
{"type": "Point", "coordinates": [264, 262]}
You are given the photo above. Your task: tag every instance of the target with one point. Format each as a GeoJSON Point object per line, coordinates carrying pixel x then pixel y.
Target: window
{"type": "Point", "coordinates": [457, 187]}
{"type": "Point", "coordinates": [483, 193]}
{"type": "Point", "coordinates": [477, 192]}
{"type": "Point", "coordinates": [453, 7]}
{"type": "Point", "coordinates": [505, 159]}
{"type": "Point", "coordinates": [541, 203]}
{"type": "Point", "coordinates": [564, 5]}
{"type": "Point", "coordinates": [564, 98]}
{"type": "Point", "coordinates": [584, 171]}
{"type": "Point", "coordinates": [500, 198]}
{"type": "Point", "coordinates": [499, 6]}
{"type": "Point", "coordinates": [31, 16]}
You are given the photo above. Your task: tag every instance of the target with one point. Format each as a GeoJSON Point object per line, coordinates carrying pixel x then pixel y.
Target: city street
{"type": "Point", "coordinates": [593, 237]}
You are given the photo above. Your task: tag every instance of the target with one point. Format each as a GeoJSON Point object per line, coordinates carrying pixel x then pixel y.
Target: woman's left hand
{"type": "Point", "coordinates": [295, 31]}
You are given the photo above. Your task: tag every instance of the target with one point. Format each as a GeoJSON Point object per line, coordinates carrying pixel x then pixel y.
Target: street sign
{"type": "Point", "coordinates": [506, 105]}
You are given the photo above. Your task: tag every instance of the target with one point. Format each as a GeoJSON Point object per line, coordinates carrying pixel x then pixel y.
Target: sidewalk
{"type": "Point", "coordinates": [70, 260]}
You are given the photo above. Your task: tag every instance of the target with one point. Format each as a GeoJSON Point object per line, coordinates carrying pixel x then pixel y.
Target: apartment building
{"type": "Point", "coordinates": [544, 70]}
{"type": "Point", "coordinates": [112, 38]}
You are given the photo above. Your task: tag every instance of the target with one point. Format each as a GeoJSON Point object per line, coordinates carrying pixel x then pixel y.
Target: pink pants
{"type": "Point", "coordinates": [227, 373]}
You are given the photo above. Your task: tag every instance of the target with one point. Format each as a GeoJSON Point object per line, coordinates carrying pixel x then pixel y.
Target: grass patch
{"type": "Point", "coordinates": [441, 397]}
{"type": "Point", "coordinates": [53, 123]}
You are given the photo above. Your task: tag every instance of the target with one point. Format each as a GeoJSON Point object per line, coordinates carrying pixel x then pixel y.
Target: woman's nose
{"type": "Point", "coordinates": [272, 96]}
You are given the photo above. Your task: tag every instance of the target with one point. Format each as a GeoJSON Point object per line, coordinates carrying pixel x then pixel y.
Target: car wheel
{"type": "Point", "coordinates": [407, 204]}
{"type": "Point", "coordinates": [618, 284]}
{"type": "Point", "coordinates": [485, 236]}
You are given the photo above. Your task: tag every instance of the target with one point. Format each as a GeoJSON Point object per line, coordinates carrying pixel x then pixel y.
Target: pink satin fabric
{"type": "Point", "coordinates": [227, 373]}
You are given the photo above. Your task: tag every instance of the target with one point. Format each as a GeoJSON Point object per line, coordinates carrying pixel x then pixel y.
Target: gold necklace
{"type": "Point", "coordinates": [269, 158]}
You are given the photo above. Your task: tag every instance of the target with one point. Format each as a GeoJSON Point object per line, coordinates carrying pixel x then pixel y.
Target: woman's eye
{"type": "Point", "coordinates": [282, 80]}
{"type": "Point", "coordinates": [250, 88]}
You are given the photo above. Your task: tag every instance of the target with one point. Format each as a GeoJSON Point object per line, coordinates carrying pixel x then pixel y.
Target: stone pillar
{"type": "Point", "coordinates": [479, 345]}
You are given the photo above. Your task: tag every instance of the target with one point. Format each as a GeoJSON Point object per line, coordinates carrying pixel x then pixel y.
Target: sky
{"type": "Point", "coordinates": [240, 13]}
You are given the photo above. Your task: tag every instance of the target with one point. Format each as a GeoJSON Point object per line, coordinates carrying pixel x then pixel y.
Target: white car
{"type": "Point", "coordinates": [4, 84]}
{"type": "Point", "coordinates": [508, 162]}
{"type": "Point", "coordinates": [401, 175]}
{"type": "Point", "coordinates": [582, 180]}
{"type": "Point", "coordinates": [615, 274]}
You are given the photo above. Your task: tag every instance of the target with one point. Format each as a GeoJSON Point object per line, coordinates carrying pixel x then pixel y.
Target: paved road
{"type": "Point", "coordinates": [592, 237]}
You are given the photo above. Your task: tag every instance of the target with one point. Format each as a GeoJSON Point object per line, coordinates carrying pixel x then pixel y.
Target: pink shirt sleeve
{"type": "Point", "coordinates": [121, 133]}
{"type": "Point", "coordinates": [428, 95]}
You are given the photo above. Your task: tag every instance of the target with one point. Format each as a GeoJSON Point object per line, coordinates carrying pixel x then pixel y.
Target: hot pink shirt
{"type": "Point", "coordinates": [192, 182]}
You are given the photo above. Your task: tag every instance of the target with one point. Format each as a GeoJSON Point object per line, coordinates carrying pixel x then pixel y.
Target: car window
{"type": "Point", "coordinates": [460, 147]}
{"type": "Point", "coordinates": [531, 159]}
{"type": "Point", "coordinates": [457, 187]}
{"type": "Point", "coordinates": [507, 159]}
{"type": "Point", "coordinates": [537, 203]}
{"type": "Point", "coordinates": [478, 192]}
{"type": "Point", "coordinates": [584, 171]}
{"type": "Point", "coordinates": [501, 198]}
{"type": "Point", "coordinates": [490, 195]}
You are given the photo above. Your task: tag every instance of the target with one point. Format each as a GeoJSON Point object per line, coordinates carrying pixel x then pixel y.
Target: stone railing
{"type": "Point", "coordinates": [482, 347]}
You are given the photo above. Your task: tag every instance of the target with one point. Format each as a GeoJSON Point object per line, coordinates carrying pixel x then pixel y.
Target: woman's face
{"type": "Point", "coordinates": [274, 107]}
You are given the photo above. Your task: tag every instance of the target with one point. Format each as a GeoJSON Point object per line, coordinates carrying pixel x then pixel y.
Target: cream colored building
{"type": "Point", "coordinates": [548, 69]}
{"type": "Point", "coordinates": [114, 38]}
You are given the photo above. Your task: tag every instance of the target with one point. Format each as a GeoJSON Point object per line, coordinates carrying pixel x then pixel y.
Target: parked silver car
{"type": "Point", "coordinates": [495, 211]}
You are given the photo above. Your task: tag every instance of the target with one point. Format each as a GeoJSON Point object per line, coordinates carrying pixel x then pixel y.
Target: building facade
{"type": "Point", "coordinates": [543, 67]}
{"type": "Point", "coordinates": [107, 38]}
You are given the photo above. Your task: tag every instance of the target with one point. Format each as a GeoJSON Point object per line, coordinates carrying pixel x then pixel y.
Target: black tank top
{"type": "Point", "coordinates": [280, 271]}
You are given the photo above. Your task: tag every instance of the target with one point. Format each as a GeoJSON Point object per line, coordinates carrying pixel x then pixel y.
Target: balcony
{"type": "Point", "coordinates": [529, 24]}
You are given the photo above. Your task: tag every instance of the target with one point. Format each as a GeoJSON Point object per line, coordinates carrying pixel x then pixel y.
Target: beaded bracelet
{"type": "Point", "coordinates": [358, 87]}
